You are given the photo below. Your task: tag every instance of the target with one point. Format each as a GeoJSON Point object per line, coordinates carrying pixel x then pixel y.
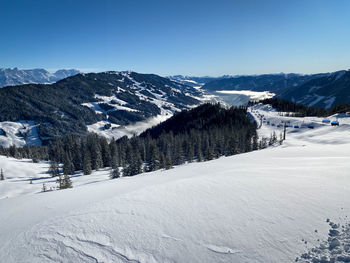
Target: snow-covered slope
{"type": "Point", "coordinates": [15, 76]}
{"type": "Point", "coordinates": [18, 134]}
{"type": "Point", "coordinates": [260, 206]}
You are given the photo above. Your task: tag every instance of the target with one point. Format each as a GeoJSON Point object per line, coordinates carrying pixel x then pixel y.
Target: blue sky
{"type": "Point", "coordinates": [177, 37]}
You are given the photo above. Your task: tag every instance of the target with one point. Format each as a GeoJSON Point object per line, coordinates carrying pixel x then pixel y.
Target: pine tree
{"type": "Point", "coordinates": [54, 169]}
{"type": "Point", "coordinates": [68, 166]}
{"type": "Point", "coordinates": [135, 165]}
{"type": "Point", "coordinates": [87, 163]}
{"type": "Point", "coordinates": [168, 161]}
{"type": "Point", "coordinates": [67, 181]}
{"type": "Point", "coordinates": [114, 154]}
{"type": "Point", "coordinates": [280, 141]}
{"type": "Point", "coordinates": [255, 143]}
{"type": "Point", "coordinates": [114, 173]}
{"type": "Point", "coordinates": [2, 176]}
{"type": "Point", "coordinates": [153, 158]}
{"type": "Point", "coordinates": [161, 160]}
{"type": "Point", "coordinates": [190, 153]}
{"type": "Point", "coordinates": [77, 156]}
{"type": "Point", "coordinates": [273, 139]}
{"type": "Point", "coordinates": [64, 182]}
{"type": "Point", "coordinates": [105, 153]}
{"type": "Point", "coordinates": [60, 182]}
{"type": "Point", "coordinates": [95, 151]}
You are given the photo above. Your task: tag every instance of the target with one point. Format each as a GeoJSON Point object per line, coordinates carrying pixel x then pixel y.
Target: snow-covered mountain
{"type": "Point", "coordinates": [270, 205]}
{"type": "Point", "coordinates": [112, 104]}
{"type": "Point", "coordinates": [325, 91]}
{"type": "Point", "coordinates": [276, 83]}
{"type": "Point", "coordinates": [15, 76]}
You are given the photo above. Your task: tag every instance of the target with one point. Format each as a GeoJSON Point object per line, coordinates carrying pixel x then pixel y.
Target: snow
{"type": "Point", "coordinates": [105, 99]}
{"type": "Point", "coordinates": [19, 134]}
{"type": "Point", "coordinates": [118, 131]}
{"type": "Point", "coordinates": [329, 102]}
{"type": "Point", "coordinates": [241, 97]}
{"type": "Point", "coordinates": [316, 99]}
{"type": "Point", "coordinates": [254, 95]}
{"type": "Point", "coordinates": [255, 207]}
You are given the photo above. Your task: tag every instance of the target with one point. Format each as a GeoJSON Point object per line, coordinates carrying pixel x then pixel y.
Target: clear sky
{"type": "Point", "coordinates": [166, 37]}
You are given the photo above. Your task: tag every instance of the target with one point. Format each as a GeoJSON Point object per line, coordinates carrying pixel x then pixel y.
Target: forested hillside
{"type": "Point", "coordinates": [66, 107]}
{"type": "Point", "coordinates": [323, 92]}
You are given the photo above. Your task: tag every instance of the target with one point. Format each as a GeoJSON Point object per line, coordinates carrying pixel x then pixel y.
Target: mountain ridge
{"type": "Point", "coordinates": [15, 76]}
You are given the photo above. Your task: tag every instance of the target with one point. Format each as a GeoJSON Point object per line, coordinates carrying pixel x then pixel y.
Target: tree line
{"type": "Point", "coordinates": [300, 110]}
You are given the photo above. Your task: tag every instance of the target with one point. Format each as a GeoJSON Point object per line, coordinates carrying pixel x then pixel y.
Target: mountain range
{"type": "Point", "coordinates": [15, 76]}
{"type": "Point", "coordinates": [323, 90]}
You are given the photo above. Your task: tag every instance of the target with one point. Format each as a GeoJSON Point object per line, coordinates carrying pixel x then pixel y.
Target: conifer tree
{"type": "Point", "coordinates": [105, 153]}
{"type": "Point", "coordinates": [135, 165]}
{"type": "Point", "coordinates": [114, 154]}
{"type": "Point", "coordinates": [190, 153]}
{"type": "Point", "coordinates": [67, 181]}
{"type": "Point", "coordinates": [280, 141]}
{"type": "Point", "coordinates": [114, 173]}
{"type": "Point", "coordinates": [153, 158]}
{"type": "Point", "coordinates": [87, 163]}
{"type": "Point", "coordinates": [168, 161]}
{"type": "Point", "coordinates": [77, 156]}
{"type": "Point", "coordinates": [95, 151]}
{"type": "Point", "coordinates": [60, 182]}
{"type": "Point", "coordinates": [64, 182]}
{"type": "Point", "coordinates": [2, 176]}
{"type": "Point", "coordinates": [54, 169]}
{"type": "Point", "coordinates": [68, 166]}
{"type": "Point", "coordinates": [255, 143]}
{"type": "Point", "coordinates": [161, 160]}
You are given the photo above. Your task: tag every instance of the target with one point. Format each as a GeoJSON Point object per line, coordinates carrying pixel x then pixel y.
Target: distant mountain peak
{"type": "Point", "coordinates": [16, 76]}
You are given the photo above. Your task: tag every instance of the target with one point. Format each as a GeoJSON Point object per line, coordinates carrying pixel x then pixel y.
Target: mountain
{"type": "Point", "coordinates": [15, 76]}
{"type": "Point", "coordinates": [276, 83]}
{"type": "Point", "coordinates": [101, 102]}
{"type": "Point", "coordinates": [325, 91]}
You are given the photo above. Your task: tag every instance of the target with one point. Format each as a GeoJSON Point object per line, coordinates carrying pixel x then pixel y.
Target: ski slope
{"type": "Point", "coordinates": [262, 206]}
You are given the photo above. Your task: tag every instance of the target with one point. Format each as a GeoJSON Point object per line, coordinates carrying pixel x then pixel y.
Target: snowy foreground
{"type": "Point", "coordinates": [265, 206]}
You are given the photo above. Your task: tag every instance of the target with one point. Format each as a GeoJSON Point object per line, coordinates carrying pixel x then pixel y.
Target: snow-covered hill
{"type": "Point", "coordinates": [263, 206]}
{"type": "Point", "coordinates": [15, 76]}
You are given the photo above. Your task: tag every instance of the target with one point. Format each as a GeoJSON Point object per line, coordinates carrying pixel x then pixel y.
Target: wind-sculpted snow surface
{"type": "Point", "coordinates": [253, 207]}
